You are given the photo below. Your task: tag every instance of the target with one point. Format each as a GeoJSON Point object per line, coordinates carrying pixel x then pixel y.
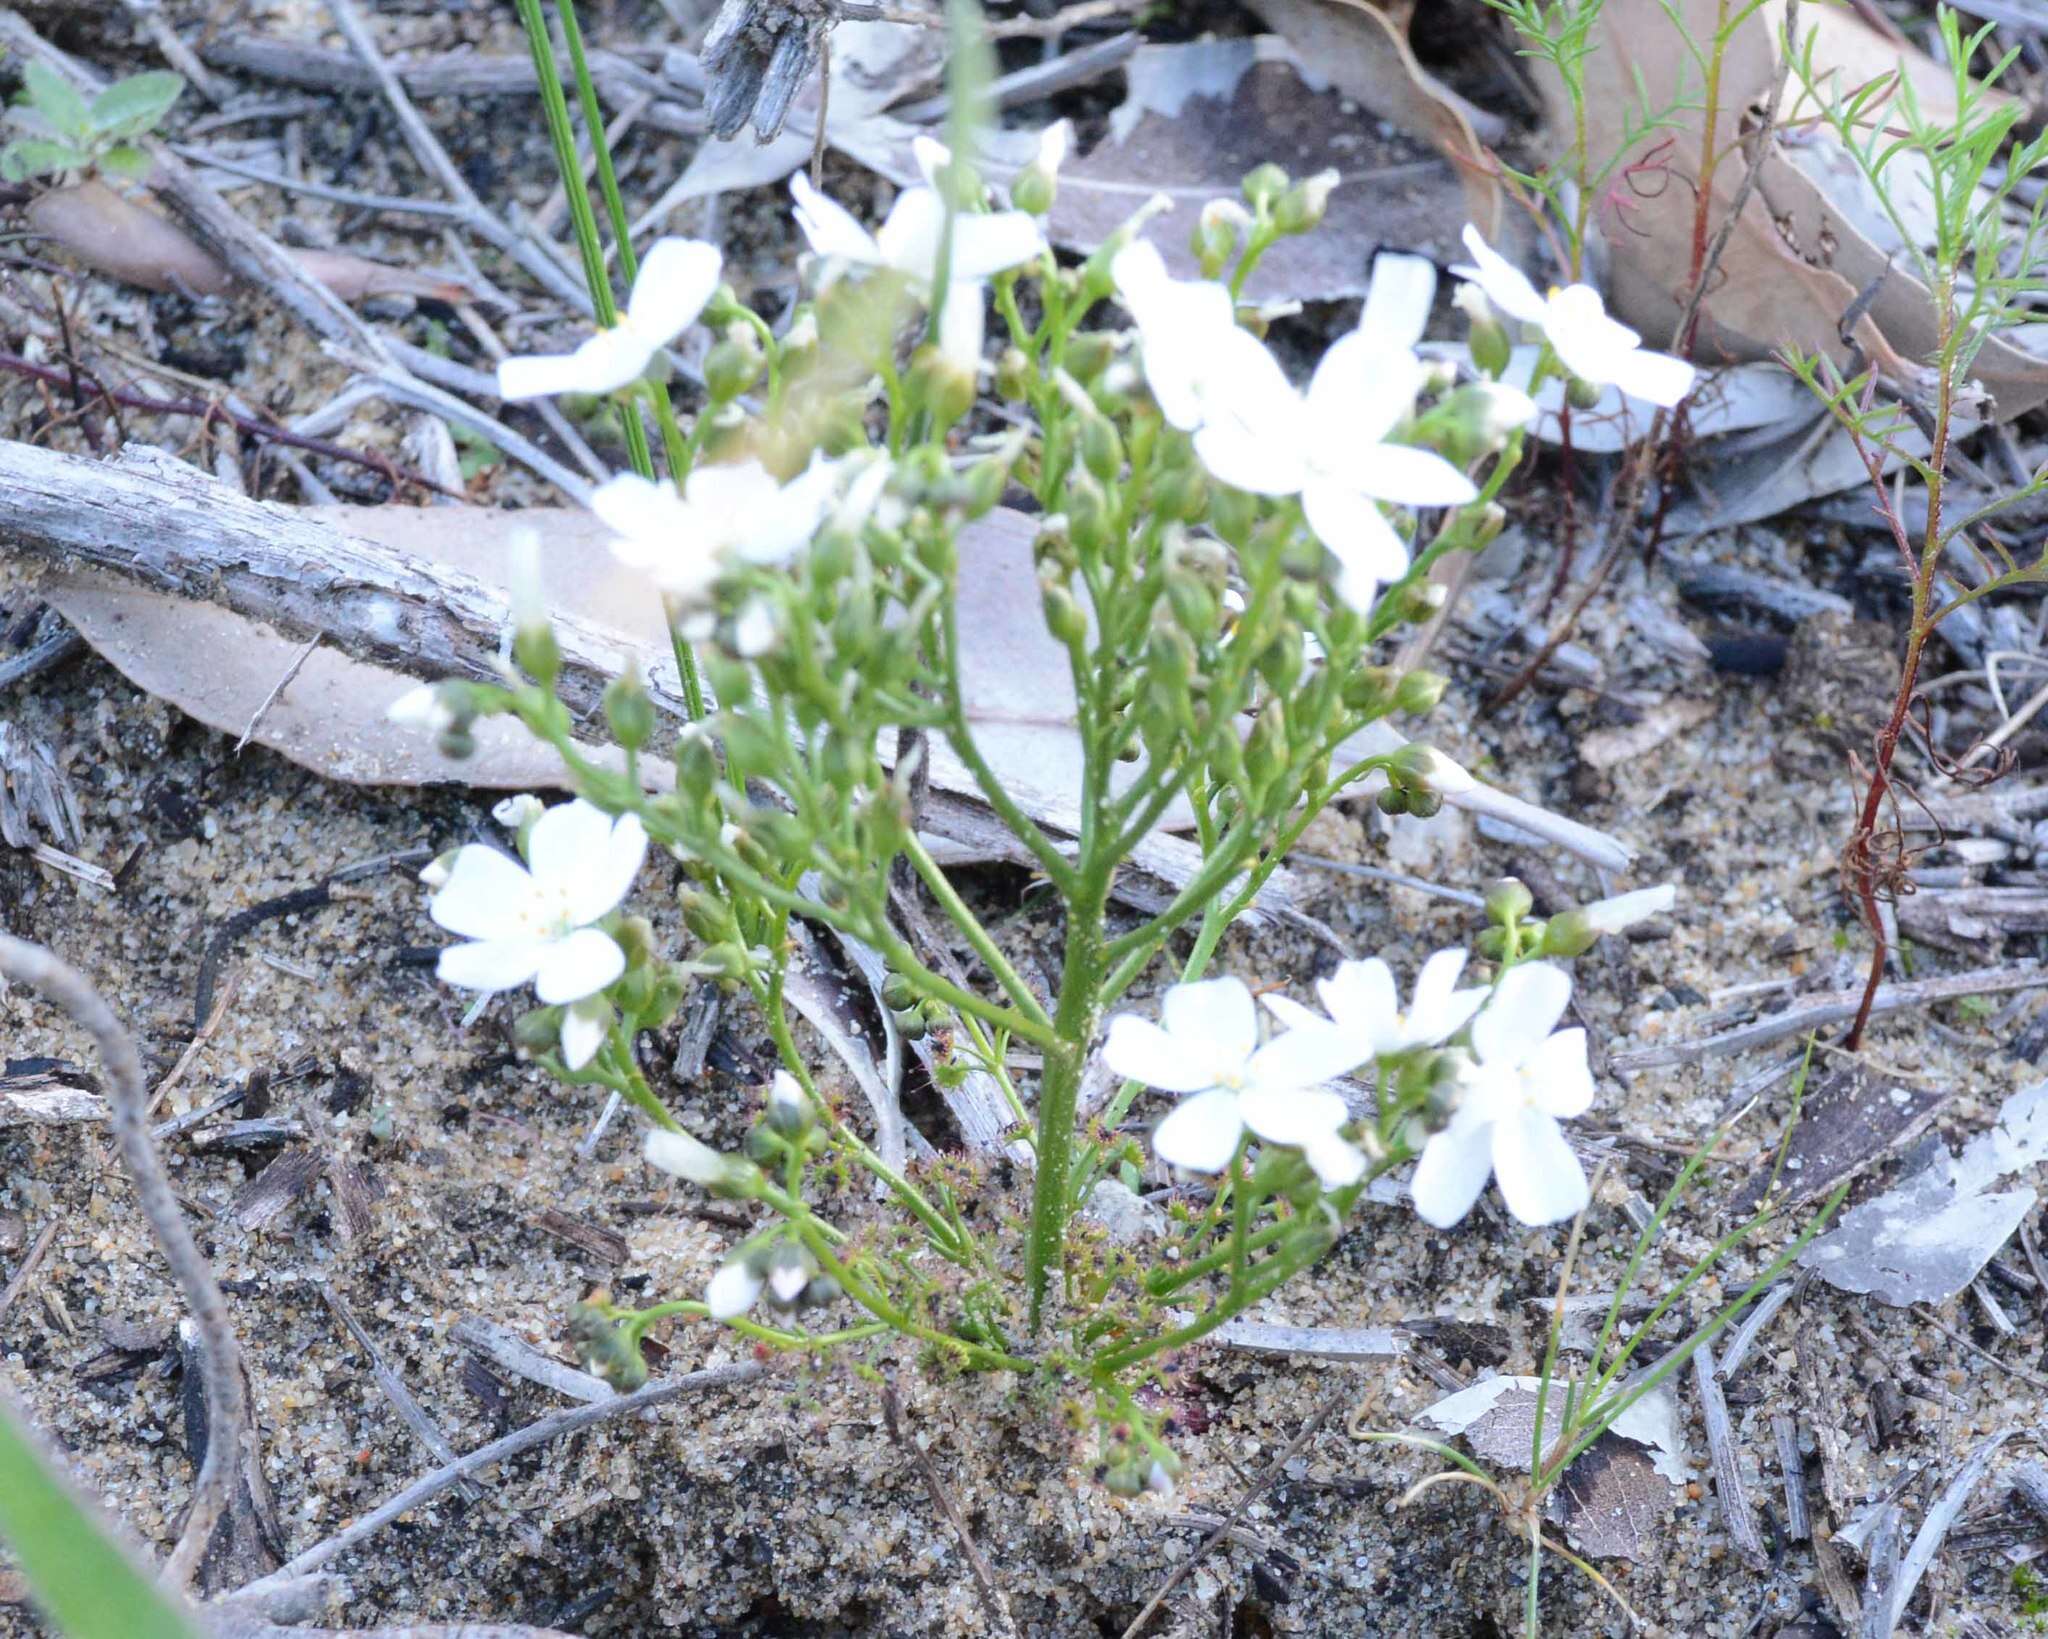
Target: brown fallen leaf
{"type": "Point", "coordinates": [126, 240]}
{"type": "Point", "coordinates": [1199, 116]}
{"type": "Point", "coordinates": [1798, 257]}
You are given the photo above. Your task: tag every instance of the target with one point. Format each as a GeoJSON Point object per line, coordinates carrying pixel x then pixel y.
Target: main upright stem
{"type": "Point", "coordinates": [1059, 1091]}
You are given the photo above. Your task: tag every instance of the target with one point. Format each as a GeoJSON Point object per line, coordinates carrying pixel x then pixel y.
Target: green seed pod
{"type": "Point", "coordinates": [1425, 804]}
{"type": "Point", "coordinates": [457, 743]}
{"type": "Point", "coordinates": [1392, 800]}
{"type": "Point", "coordinates": [910, 1024]}
{"type": "Point", "coordinates": [1581, 395]}
{"type": "Point", "coordinates": [538, 1030]}
{"type": "Point", "coordinates": [898, 993]}
{"type": "Point", "coordinates": [1102, 451]}
{"type": "Point", "coordinates": [1419, 691]}
{"type": "Point", "coordinates": [1063, 616]}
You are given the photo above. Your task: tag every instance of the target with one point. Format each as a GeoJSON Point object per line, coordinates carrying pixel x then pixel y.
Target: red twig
{"type": "Point", "coordinates": [207, 411]}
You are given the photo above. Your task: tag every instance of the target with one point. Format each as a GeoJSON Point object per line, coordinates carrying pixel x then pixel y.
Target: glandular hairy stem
{"type": "Point", "coordinates": [1059, 1091]}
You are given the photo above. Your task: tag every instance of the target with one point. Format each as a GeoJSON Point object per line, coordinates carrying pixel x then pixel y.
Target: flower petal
{"type": "Point", "coordinates": [1398, 299]}
{"type": "Point", "coordinates": [1215, 1018]}
{"type": "Point", "coordinates": [962, 326]}
{"type": "Point", "coordinates": [1303, 1057]}
{"type": "Point", "coordinates": [675, 281]}
{"type": "Point", "coordinates": [1200, 1133]}
{"type": "Point", "coordinates": [1361, 997]}
{"type": "Point", "coordinates": [1656, 377]}
{"type": "Point", "coordinates": [1138, 1050]}
{"type": "Point", "coordinates": [1540, 1178]}
{"type": "Point", "coordinates": [732, 1291]}
{"type": "Point", "coordinates": [829, 227]}
{"type": "Point", "coordinates": [1506, 285]}
{"type": "Point", "coordinates": [578, 966]}
{"type": "Point", "coordinates": [1336, 1162]}
{"type": "Point", "coordinates": [1453, 1170]}
{"type": "Point", "coordinates": [908, 239]}
{"type": "Point", "coordinates": [564, 842]}
{"type": "Point", "coordinates": [583, 1033]}
{"type": "Point", "coordinates": [1409, 476]}
{"type": "Point", "coordinates": [1556, 1077]}
{"type": "Point", "coordinates": [1526, 1005]}
{"type": "Point", "coordinates": [1249, 460]}
{"type": "Point", "coordinates": [1440, 1009]}
{"type": "Point", "coordinates": [1294, 1116]}
{"type": "Point", "coordinates": [1351, 525]}
{"type": "Point", "coordinates": [994, 242]}
{"type": "Point", "coordinates": [932, 157]}
{"type": "Point", "coordinates": [491, 964]}
{"type": "Point", "coordinates": [609, 360]}
{"type": "Point", "coordinates": [606, 875]}
{"type": "Point", "coordinates": [649, 519]}
{"type": "Point", "coordinates": [486, 895]}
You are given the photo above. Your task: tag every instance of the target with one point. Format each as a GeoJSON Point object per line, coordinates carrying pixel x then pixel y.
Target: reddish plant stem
{"type": "Point", "coordinates": [207, 411]}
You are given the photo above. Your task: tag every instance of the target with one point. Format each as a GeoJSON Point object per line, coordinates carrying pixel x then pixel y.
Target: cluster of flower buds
{"type": "Point", "coordinates": [914, 1016]}
{"type": "Point", "coordinates": [448, 710]}
{"type": "Point", "coordinates": [780, 1269]}
{"type": "Point", "coordinates": [1418, 780]}
{"type": "Point", "coordinates": [1132, 1465]}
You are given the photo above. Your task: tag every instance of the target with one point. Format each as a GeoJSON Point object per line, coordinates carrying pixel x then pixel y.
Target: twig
{"type": "Point", "coordinates": [992, 1599]}
{"type": "Point", "coordinates": [209, 1023]}
{"type": "Point", "coordinates": [541, 1432]}
{"type": "Point", "coordinates": [521, 1359]}
{"type": "Point", "coordinates": [1836, 1008]}
{"type": "Point", "coordinates": [1881, 1575]}
{"type": "Point", "coordinates": [1941, 1515]}
{"type": "Point", "coordinates": [226, 1408]}
{"type": "Point", "coordinates": [1257, 1489]}
{"type": "Point", "coordinates": [1395, 879]}
{"type": "Point", "coordinates": [207, 411]}
{"type": "Point", "coordinates": [18, 1282]}
{"type": "Point", "coordinates": [1957, 1338]}
{"type": "Point", "coordinates": [52, 651]}
{"type": "Point", "coordinates": [1736, 1509]}
{"type": "Point", "coordinates": [1745, 1335]}
{"type": "Point", "coordinates": [1792, 1467]}
{"type": "Point", "coordinates": [283, 683]}
{"type": "Point", "coordinates": [1313, 1342]}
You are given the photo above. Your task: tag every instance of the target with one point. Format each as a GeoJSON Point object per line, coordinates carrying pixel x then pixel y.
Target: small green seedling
{"type": "Point", "coordinates": [71, 133]}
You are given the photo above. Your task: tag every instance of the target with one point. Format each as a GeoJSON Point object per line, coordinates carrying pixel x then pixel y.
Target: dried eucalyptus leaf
{"type": "Point", "coordinates": [1612, 1500]}
{"type": "Point", "coordinates": [1497, 1419]}
{"type": "Point", "coordinates": [1930, 1237]}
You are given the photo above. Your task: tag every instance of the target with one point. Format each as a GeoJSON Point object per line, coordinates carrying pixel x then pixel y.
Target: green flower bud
{"type": "Point", "coordinates": [732, 681]}
{"type": "Point", "coordinates": [1171, 655]}
{"type": "Point", "coordinates": [1088, 355]}
{"type": "Point", "coordinates": [1280, 664]}
{"type": "Point", "coordinates": [1088, 512]}
{"type": "Point", "coordinates": [1264, 186]}
{"type": "Point", "coordinates": [605, 1347]}
{"type": "Point", "coordinates": [1425, 804]}
{"type": "Point", "coordinates": [1181, 494]}
{"type": "Point", "coordinates": [728, 962]}
{"type": "Point", "coordinates": [1265, 750]}
{"type": "Point", "coordinates": [634, 935]}
{"type": "Point", "coordinates": [1063, 616]}
{"type": "Point", "coordinates": [1419, 691]}
{"type": "Point", "coordinates": [1034, 191]}
{"type": "Point", "coordinates": [1054, 545]}
{"type": "Point", "coordinates": [1488, 338]}
{"type": "Point", "coordinates": [910, 1024]}
{"type": "Point", "coordinates": [537, 1030]}
{"type": "Point", "coordinates": [822, 1290]}
{"type": "Point", "coordinates": [1569, 933]}
{"type": "Point", "coordinates": [628, 709]}
{"type": "Point", "coordinates": [457, 743]}
{"type": "Point", "coordinates": [1370, 690]}
{"type": "Point", "coordinates": [1013, 374]}
{"type": "Point", "coordinates": [1102, 452]}
{"type": "Point", "coordinates": [898, 993]}
{"type": "Point", "coordinates": [734, 363]}
{"type": "Point", "coordinates": [1492, 943]}
{"type": "Point", "coordinates": [1581, 395]}
{"type": "Point", "coordinates": [981, 489]}
{"type": "Point", "coordinates": [1233, 513]}
{"type": "Point", "coordinates": [941, 386]}
{"type": "Point", "coordinates": [1391, 800]}
{"type": "Point", "coordinates": [538, 654]}
{"type": "Point", "coordinates": [1508, 901]}
{"type": "Point", "coordinates": [789, 1106]}
{"type": "Point", "coordinates": [1219, 232]}
{"type": "Point", "coordinates": [1301, 209]}
{"type": "Point", "coordinates": [1194, 606]}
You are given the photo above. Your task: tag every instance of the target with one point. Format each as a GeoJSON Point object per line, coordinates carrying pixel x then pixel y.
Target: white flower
{"type": "Point", "coordinates": [1523, 1080]}
{"type": "Point", "coordinates": [1365, 1008]}
{"type": "Point", "coordinates": [1590, 345]}
{"type": "Point", "coordinates": [984, 244]}
{"type": "Point", "coordinates": [516, 813]}
{"type": "Point", "coordinates": [788, 1108]}
{"type": "Point", "coordinates": [684, 1156]}
{"type": "Point", "coordinates": [526, 592]}
{"type": "Point", "coordinates": [733, 1290]}
{"type": "Point", "coordinates": [1209, 1048]}
{"type": "Point", "coordinates": [726, 513]}
{"type": "Point", "coordinates": [532, 922]}
{"type": "Point", "coordinates": [436, 871]}
{"type": "Point", "coordinates": [421, 708]}
{"type": "Point", "coordinates": [1330, 445]}
{"type": "Point", "coordinates": [1196, 356]}
{"type": "Point", "coordinates": [676, 280]}
{"type": "Point", "coordinates": [753, 629]}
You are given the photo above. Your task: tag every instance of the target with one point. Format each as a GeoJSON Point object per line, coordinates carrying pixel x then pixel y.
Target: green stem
{"type": "Point", "coordinates": [971, 929]}
{"type": "Point", "coordinates": [1059, 1091]}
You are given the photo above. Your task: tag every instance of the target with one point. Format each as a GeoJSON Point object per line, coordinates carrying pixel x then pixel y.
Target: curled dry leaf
{"type": "Point", "coordinates": [126, 240]}
{"type": "Point", "coordinates": [1799, 254]}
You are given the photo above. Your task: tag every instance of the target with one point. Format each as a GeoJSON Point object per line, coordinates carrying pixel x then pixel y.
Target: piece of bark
{"type": "Point", "coordinates": [1850, 1118]}
{"type": "Point", "coordinates": [607, 1246]}
{"type": "Point", "coordinates": [757, 55]}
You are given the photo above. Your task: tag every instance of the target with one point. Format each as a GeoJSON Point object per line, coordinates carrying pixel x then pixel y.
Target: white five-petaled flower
{"type": "Point", "coordinates": [421, 708]}
{"type": "Point", "coordinates": [984, 243]}
{"type": "Point", "coordinates": [731, 513]}
{"type": "Point", "coordinates": [1366, 1014]}
{"type": "Point", "coordinates": [1522, 1080]}
{"type": "Point", "coordinates": [1208, 1050]}
{"type": "Point", "coordinates": [676, 279]}
{"type": "Point", "coordinates": [1592, 346]}
{"type": "Point", "coordinates": [1330, 445]}
{"type": "Point", "coordinates": [532, 922]}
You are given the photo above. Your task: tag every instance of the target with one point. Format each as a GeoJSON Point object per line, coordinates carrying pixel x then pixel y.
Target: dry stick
{"type": "Point", "coordinates": [992, 1599]}
{"type": "Point", "coordinates": [427, 149]}
{"type": "Point", "coordinates": [1941, 1514]}
{"type": "Point", "coordinates": [1681, 340]}
{"type": "Point", "coordinates": [546, 1429]}
{"type": "Point", "coordinates": [26, 1273]}
{"type": "Point", "coordinates": [1881, 1577]}
{"type": "Point", "coordinates": [1957, 1338]}
{"type": "Point", "coordinates": [1257, 1489]}
{"type": "Point", "coordinates": [1735, 1504]}
{"type": "Point", "coordinates": [1798, 1518]}
{"type": "Point", "coordinates": [256, 717]}
{"type": "Point", "coordinates": [226, 1410]}
{"type": "Point", "coordinates": [200, 1038]}
{"type": "Point", "coordinates": [1835, 1008]}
